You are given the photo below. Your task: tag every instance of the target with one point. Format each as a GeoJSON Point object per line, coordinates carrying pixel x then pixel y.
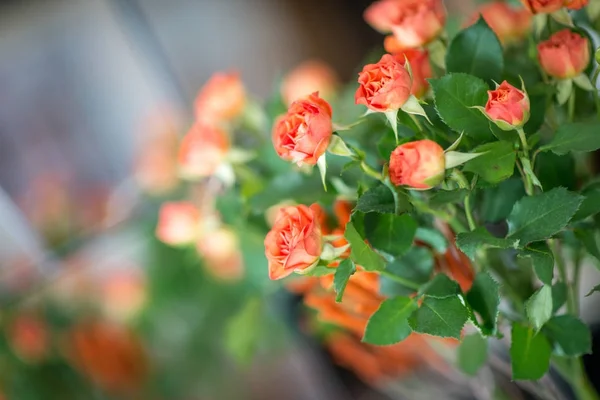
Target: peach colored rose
{"type": "Point", "coordinates": [202, 151]}
{"type": "Point", "coordinates": [309, 77]}
{"type": "Point", "coordinates": [303, 133]}
{"type": "Point", "coordinates": [28, 337]}
{"type": "Point", "coordinates": [507, 106]}
{"type": "Point", "coordinates": [565, 55]}
{"type": "Point", "coordinates": [414, 23]}
{"type": "Point", "coordinates": [295, 242]}
{"type": "Point", "coordinates": [392, 45]}
{"type": "Point", "coordinates": [543, 6]}
{"type": "Point", "coordinates": [576, 4]}
{"type": "Point", "coordinates": [221, 98]}
{"type": "Point", "coordinates": [418, 165]}
{"type": "Point", "coordinates": [220, 249]}
{"type": "Point", "coordinates": [421, 70]}
{"type": "Point", "coordinates": [178, 223]}
{"type": "Point", "coordinates": [123, 293]}
{"type": "Point", "coordinates": [384, 86]}
{"type": "Point", "coordinates": [509, 23]}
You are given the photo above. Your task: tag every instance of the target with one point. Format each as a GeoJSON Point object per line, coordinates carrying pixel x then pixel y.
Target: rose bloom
{"type": "Point", "coordinates": [28, 337]}
{"type": "Point", "coordinates": [576, 4]}
{"type": "Point", "coordinates": [220, 249]}
{"type": "Point", "coordinates": [418, 165]}
{"type": "Point", "coordinates": [543, 6]}
{"type": "Point", "coordinates": [565, 55]}
{"type": "Point", "coordinates": [108, 354]}
{"type": "Point", "coordinates": [507, 106]}
{"type": "Point", "coordinates": [178, 223]}
{"type": "Point", "coordinates": [202, 151]}
{"type": "Point", "coordinates": [384, 86]}
{"type": "Point", "coordinates": [421, 70]}
{"type": "Point", "coordinates": [414, 23]}
{"type": "Point", "coordinates": [303, 133]}
{"type": "Point", "coordinates": [222, 98]}
{"type": "Point", "coordinates": [295, 242]}
{"type": "Point", "coordinates": [509, 23]}
{"type": "Point", "coordinates": [309, 77]}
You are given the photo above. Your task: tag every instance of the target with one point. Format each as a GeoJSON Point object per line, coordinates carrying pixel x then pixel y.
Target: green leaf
{"type": "Point", "coordinates": [559, 296]}
{"type": "Point", "coordinates": [539, 307]}
{"type": "Point", "coordinates": [484, 299]}
{"type": "Point", "coordinates": [496, 165]}
{"type": "Point", "coordinates": [554, 171]}
{"type": "Point", "coordinates": [542, 259]}
{"type": "Point", "coordinates": [455, 94]}
{"type": "Point", "coordinates": [416, 266]}
{"type": "Point", "coordinates": [361, 253]}
{"type": "Point", "coordinates": [588, 238]}
{"type": "Point", "coordinates": [389, 324]}
{"type": "Point", "coordinates": [575, 136]}
{"type": "Point", "coordinates": [539, 217]}
{"type": "Point", "coordinates": [380, 199]}
{"type": "Point", "coordinates": [433, 238]}
{"type": "Point", "coordinates": [529, 353]}
{"type": "Point", "coordinates": [342, 274]}
{"type": "Point", "coordinates": [476, 51]}
{"type": "Point", "coordinates": [470, 242]}
{"type": "Point", "coordinates": [572, 336]}
{"type": "Point", "coordinates": [590, 205]}
{"type": "Point", "coordinates": [390, 233]}
{"type": "Point", "coordinates": [440, 317]}
{"type": "Point", "coordinates": [440, 287]}
{"type": "Point", "coordinates": [472, 353]}
{"type": "Point", "coordinates": [443, 197]}
{"type": "Point", "coordinates": [594, 289]}
{"type": "Point", "coordinates": [499, 201]}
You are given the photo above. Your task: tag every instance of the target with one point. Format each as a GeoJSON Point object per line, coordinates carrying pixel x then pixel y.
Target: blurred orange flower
{"type": "Point", "coordinates": [28, 337]}
{"type": "Point", "coordinates": [220, 250]}
{"type": "Point", "coordinates": [222, 98]}
{"type": "Point", "coordinates": [309, 77]}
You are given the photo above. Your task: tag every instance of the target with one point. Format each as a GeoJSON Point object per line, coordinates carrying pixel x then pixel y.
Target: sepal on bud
{"type": "Point", "coordinates": [456, 158]}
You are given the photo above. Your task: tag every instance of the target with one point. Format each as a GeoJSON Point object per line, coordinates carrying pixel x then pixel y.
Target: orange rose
{"type": "Point", "coordinates": [220, 250]}
{"type": "Point", "coordinates": [510, 24]}
{"type": "Point", "coordinates": [507, 106]}
{"type": "Point", "coordinates": [414, 23]}
{"type": "Point", "coordinates": [576, 4]}
{"type": "Point", "coordinates": [418, 165]}
{"type": "Point", "coordinates": [421, 70]}
{"type": "Point", "coordinates": [565, 55]}
{"type": "Point", "coordinates": [303, 133]}
{"type": "Point", "coordinates": [202, 151]}
{"type": "Point", "coordinates": [222, 98]}
{"type": "Point", "coordinates": [309, 77]}
{"type": "Point", "coordinates": [543, 6]}
{"type": "Point", "coordinates": [295, 242]}
{"type": "Point", "coordinates": [384, 86]}
{"type": "Point", "coordinates": [28, 337]}
{"type": "Point", "coordinates": [178, 223]}
{"type": "Point", "coordinates": [343, 211]}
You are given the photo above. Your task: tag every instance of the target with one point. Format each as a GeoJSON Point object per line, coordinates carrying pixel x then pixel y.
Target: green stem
{"type": "Point", "coordinates": [370, 171]}
{"type": "Point", "coordinates": [571, 105]}
{"type": "Point", "coordinates": [595, 91]}
{"type": "Point", "coordinates": [524, 173]}
{"type": "Point", "coordinates": [562, 272]}
{"type": "Point", "coordinates": [462, 183]}
{"type": "Point", "coordinates": [400, 280]}
{"type": "Point", "coordinates": [523, 138]}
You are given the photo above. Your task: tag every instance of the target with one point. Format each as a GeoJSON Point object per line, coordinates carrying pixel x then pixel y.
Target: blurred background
{"type": "Point", "coordinates": [86, 87]}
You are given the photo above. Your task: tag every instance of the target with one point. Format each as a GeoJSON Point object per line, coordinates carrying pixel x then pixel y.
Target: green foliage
{"type": "Point", "coordinates": [529, 352]}
{"type": "Point", "coordinates": [342, 274]}
{"type": "Point", "coordinates": [390, 233]}
{"type": "Point", "coordinates": [539, 307]}
{"type": "Point", "coordinates": [361, 253]}
{"type": "Point", "coordinates": [573, 137]}
{"type": "Point", "coordinates": [389, 324]}
{"type": "Point", "coordinates": [472, 353]}
{"type": "Point", "coordinates": [571, 336]}
{"type": "Point", "coordinates": [480, 238]}
{"type": "Point", "coordinates": [540, 217]}
{"type": "Point", "coordinates": [444, 317]}
{"type": "Point", "coordinates": [440, 287]}
{"type": "Point", "coordinates": [484, 299]}
{"type": "Point", "coordinates": [496, 165]}
{"type": "Point", "coordinates": [542, 259]}
{"type": "Point", "coordinates": [443, 197]}
{"type": "Point", "coordinates": [415, 266]}
{"type": "Point", "coordinates": [476, 51]}
{"type": "Point", "coordinates": [377, 199]}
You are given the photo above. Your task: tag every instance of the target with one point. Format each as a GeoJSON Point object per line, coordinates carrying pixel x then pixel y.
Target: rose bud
{"type": "Point", "coordinates": [178, 223]}
{"type": "Point", "coordinates": [543, 6]}
{"type": "Point", "coordinates": [222, 98]}
{"type": "Point", "coordinates": [509, 23]}
{"type": "Point", "coordinates": [309, 77]}
{"type": "Point", "coordinates": [565, 55]}
{"type": "Point", "coordinates": [295, 242]}
{"type": "Point", "coordinates": [418, 165]}
{"type": "Point", "coordinates": [507, 107]}
{"type": "Point", "coordinates": [303, 133]}
{"type": "Point", "coordinates": [576, 4]}
{"type": "Point", "coordinates": [202, 150]}
{"type": "Point", "coordinates": [384, 86]}
{"type": "Point", "coordinates": [421, 70]}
